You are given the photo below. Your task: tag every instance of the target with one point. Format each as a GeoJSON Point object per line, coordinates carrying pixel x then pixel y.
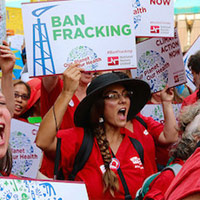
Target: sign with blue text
{"type": "Point", "coordinates": [63, 32]}
{"type": "Point", "coordinates": [44, 190]}
{"type": "Point", "coordinates": [153, 18]}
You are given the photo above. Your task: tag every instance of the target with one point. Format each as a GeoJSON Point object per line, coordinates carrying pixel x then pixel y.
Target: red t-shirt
{"type": "Point", "coordinates": [187, 181]}
{"type": "Point", "coordinates": [47, 101]}
{"type": "Point", "coordinates": [148, 138]}
{"type": "Point", "coordinates": [126, 157]}
{"type": "Point", "coordinates": [190, 99]}
{"type": "Point", "coordinates": [160, 184]}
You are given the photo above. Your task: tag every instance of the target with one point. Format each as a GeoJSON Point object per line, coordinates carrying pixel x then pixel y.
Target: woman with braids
{"type": "Point", "coordinates": [104, 111]}
{"type": "Point", "coordinates": [7, 62]}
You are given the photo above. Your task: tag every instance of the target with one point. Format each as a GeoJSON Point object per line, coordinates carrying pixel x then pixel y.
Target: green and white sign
{"type": "Point", "coordinates": [26, 155]}
{"type": "Point", "coordinates": [97, 34]}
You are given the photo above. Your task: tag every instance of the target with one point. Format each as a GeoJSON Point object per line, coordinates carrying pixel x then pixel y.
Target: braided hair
{"type": "Point", "coordinates": [110, 179]}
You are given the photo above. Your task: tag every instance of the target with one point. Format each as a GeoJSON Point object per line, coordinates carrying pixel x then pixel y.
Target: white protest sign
{"type": "Point", "coordinates": [155, 111]}
{"type": "Point", "coordinates": [153, 18]}
{"type": "Point", "coordinates": [2, 21]}
{"type": "Point", "coordinates": [45, 190]}
{"type": "Point", "coordinates": [193, 49]}
{"type": "Point", "coordinates": [160, 62]}
{"type": "Point", "coordinates": [26, 155]}
{"type": "Point", "coordinates": [97, 34]}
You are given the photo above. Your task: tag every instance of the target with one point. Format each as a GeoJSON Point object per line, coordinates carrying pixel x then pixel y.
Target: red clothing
{"type": "Point", "coordinates": [47, 101]}
{"type": "Point", "coordinates": [160, 184]}
{"type": "Point", "coordinates": [91, 174]}
{"type": "Point", "coordinates": [187, 181]}
{"type": "Point", "coordinates": [148, 138]}
{"type": "Point", "coordinates": [190, 99]}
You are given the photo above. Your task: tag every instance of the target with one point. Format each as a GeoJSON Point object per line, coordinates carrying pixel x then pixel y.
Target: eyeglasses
{"type": "Point", "coordinates": [23, 96]}
{"type": "Point", "coordinates": [115, 95]}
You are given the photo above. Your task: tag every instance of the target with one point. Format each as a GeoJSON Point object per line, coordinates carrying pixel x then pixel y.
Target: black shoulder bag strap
{"type": "Point", "coordinates": [83, 153]}
{"type": "Point", "coordinates": [141, 121]}
{"type": "Point", "coordinates": [138, 147]}
{"type": "Point", "coordinates": [121, 176]}
{"type": "Point", "coordinates": [57, 159]}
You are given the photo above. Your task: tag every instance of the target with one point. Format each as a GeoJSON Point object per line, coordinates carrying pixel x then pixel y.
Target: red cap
{"type": "Point", "coordinates": [35, 85]}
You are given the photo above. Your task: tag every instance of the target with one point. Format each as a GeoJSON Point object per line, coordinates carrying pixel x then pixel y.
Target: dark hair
{"type": "Point", "coordinates": [194, 62]}
{"type": "Point", "coordinates": [6, 163]}
{"type": "Point", "coordinates": [110, 179]}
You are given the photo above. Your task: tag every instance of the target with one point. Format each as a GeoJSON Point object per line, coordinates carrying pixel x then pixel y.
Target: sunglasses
{"type": "Point", "coordinates": [23, 96]}
{"type": "Point", "coordinates": [116, 96]}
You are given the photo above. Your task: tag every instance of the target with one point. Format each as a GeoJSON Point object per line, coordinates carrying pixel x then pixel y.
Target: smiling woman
{"type": "Point", "coordinates": [22, 93]}
{"type": "Point", "coordinates": [110, 100]}
{"type": "Point", "coordinates": [7, 61]}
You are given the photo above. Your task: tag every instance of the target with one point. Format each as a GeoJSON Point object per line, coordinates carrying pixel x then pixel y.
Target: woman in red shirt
{"type": "Point", "coordinates": [104, 111]}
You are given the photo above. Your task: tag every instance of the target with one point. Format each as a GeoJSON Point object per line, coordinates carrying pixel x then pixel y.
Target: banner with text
{"type": "Point", "coordinates": [160, 62]}
{"type": "Point", "coordinates": [193, 49]}
{"type": "Point", "coordinates": [44, 190]}
{"type": "Point", "coordinates": [153, 18]}
{"type": "Point", "coordinates": [26, 155]}
{"type": "Point", "coordinates": [57, 35]}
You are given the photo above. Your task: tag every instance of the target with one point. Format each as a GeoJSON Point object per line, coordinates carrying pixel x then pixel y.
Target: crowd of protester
{"type": "Point", "coordinates": [107, 108]}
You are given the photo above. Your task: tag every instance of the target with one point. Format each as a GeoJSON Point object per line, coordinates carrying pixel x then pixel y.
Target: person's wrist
{"type": "Point", "coordinates": [166, 101]}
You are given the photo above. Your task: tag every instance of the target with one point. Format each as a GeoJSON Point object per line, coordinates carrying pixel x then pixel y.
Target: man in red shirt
{"type": "Point", "coordinates": [194, 66]}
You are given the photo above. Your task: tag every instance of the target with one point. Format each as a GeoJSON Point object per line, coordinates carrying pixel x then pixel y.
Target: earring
{"type": "Point", "coordinates": [101, 120]}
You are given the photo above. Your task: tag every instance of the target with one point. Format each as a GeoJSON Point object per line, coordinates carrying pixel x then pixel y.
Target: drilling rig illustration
{"type": "Point", "coordinates": [42, 55]}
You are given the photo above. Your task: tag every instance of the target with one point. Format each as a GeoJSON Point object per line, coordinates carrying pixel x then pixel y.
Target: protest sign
{"type": "Point", "coordinates": [160, 62]}
{"type": "Point", "coordinates": [193, 49]}
{"type": "Point", "coordinates": [44, 190]}
{"type": "Point", "coordinates": [2, 21]}
{"type": "Point", "coordinates": [153, 18]}
{"type": "Point", "coordinates": [26, 155]}
{"type": "Point", "coordinates": [97, 34]}
{"type": "Point", "coordinates": [155, 111]}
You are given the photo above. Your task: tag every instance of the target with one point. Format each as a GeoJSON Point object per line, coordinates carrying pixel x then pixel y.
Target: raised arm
{"type": "Point", "coordinates": [7, 63]}
{"type": "Point", "coordinates": [170, 133]}
{"type": "Point", "coordinates": [46, 136]}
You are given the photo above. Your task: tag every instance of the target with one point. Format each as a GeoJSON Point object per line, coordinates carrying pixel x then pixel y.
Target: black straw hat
{"type": "Point", "coordinates": [141, 94]}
